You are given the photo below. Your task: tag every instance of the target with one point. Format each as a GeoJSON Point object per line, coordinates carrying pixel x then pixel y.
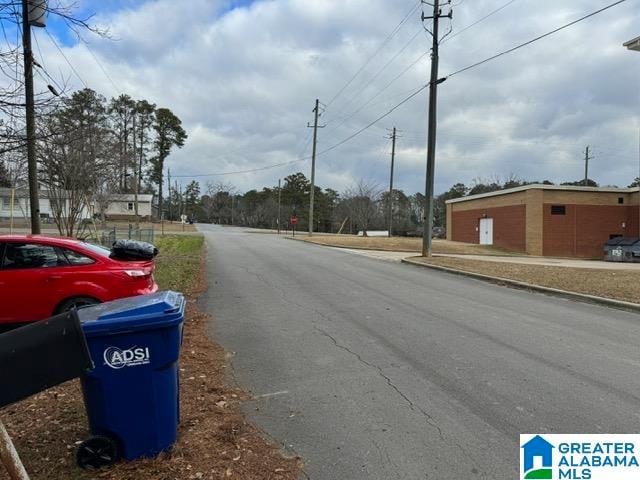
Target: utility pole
{"type": "Point", "coordinates": [393, 154]}
{"type": "Point", "coordinates": [635, 45]}
{"type": "Point", "coordinates": [32, 166]}
{"type": "Point", "coordinates": [586, 165]}
{"type": "Point", "coordinates": [315, 127]}
{"type": "Point", "coordinates": [279, 203]}
{"type": "Point", "coordinates": [135, 176]}
{"type": "Point", "coordinates": [169, 188]}
{"type": "Point", "coordinates": [180, 202]}
{"type": "Point", "coordinates": [431, 137]}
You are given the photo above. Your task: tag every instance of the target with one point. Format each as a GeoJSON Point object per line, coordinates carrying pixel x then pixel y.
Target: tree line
{"type": "Point", "coordinates": [89, 148]}
{"type": "Point", "coordinates": [360, 208]}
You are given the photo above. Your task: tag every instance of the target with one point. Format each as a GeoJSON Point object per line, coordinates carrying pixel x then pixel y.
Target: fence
{"type": "Point", "coordinates": [111, 235]}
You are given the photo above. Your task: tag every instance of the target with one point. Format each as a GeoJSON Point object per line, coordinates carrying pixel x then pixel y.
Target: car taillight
{"type": "Point", "coordinates": [138, 273]}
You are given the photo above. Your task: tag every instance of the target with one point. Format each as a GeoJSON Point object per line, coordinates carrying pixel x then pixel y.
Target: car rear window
{"type": "Point", "coordinates": [30, 255]}
{"type": "Point", "coordinates": [97, 249]}
{"type": "Point", "coordinates": [76, 258]}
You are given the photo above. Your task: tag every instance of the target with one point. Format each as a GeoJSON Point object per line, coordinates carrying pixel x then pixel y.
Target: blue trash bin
{"type": "Point", "coordinates": [132, 395]}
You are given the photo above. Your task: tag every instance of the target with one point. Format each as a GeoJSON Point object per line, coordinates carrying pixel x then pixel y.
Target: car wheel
{"type": "Point", "coordinates": [77, 303]}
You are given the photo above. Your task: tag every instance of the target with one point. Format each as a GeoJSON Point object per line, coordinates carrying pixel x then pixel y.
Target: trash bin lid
{"type": "Point", "coordinates": [160, 309]}
{"type": "Point", "coordinates": [614, 241]}
{"type": "Point", "coordinates": [628, 241]}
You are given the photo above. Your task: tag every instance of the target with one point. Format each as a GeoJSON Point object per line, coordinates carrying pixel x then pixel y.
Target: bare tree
{"type": "Point", "coordinates": [361, 202]}
{"type": "Point", "coordinates": [75, 155]}
{"type": "Point", "coordinates": [12, 104]}
{"type": "Point", "coordinates": [217, 202]}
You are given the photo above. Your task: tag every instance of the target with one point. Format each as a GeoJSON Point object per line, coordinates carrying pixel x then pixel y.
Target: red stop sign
{"type": "Point", "coordinates": [293, 220]}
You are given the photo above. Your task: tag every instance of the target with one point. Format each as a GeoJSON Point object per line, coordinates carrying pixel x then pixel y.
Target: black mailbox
{"type": "Point", "coordinates": [41, 355]}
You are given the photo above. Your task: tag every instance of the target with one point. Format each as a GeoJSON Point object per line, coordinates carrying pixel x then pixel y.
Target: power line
{"type": "Point", "coordinates": [350, 137]}
{"type": "Point", "coordinates": [303, 159]}
{"type": "Point", "coordinates": [479, 20]}
{"type": "Point", "coordinates": [253, 170]}
{"type": "Point", "coordinates": [106, 74]}
{"type": "Point", "coordinates": [369, 125]}
{"type": "Point", "coordinates": [238, 172]}
{"type": "Point", "coordinates": [384, 67]}
{"type": "Point", "coordinates": [307, 141]}
{"type": "Point", "coordinates": [393, 80]}
{"type": "Point", "coordinates": [382, 45]}
{"type": "Point", "coordinates": [540, 37]}
{"type": "Point", "coordinates": [42, 69]}
{"type": "Point", "coordinates": [66, 59]}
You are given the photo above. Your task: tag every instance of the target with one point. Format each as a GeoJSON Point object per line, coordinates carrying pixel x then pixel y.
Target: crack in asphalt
{"type": "Point", "coordinates": [412, 406]}
{"type": "Point", "coordinates": [415, 408]}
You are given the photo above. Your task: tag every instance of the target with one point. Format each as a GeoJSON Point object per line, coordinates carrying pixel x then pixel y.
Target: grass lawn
{"type": "Point", "coordinates": [402, 244]}
{"type": "Point", "coordinates": [178, 261]}
{"type": "Point", "coordinates": [214, 439]}
{"type": "Point", "coordinates": [22, 225]}
{"type": "Point", "coordinates": [616, 284]}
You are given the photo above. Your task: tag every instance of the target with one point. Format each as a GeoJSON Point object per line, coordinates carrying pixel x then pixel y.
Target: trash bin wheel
{"type": "Point", "coordinates": [96, 452]}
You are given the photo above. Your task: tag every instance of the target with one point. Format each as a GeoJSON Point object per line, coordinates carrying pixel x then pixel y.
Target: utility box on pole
{"type": "Point", "coordinates": [38, 13]}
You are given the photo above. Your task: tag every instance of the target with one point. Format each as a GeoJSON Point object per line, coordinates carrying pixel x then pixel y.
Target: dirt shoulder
{"type": "Point", "coordinates": [616, 284]}
{"type": "Point", "coordinates": [401, 244]}
{"type": "Point", "coordinates": [214, 439]}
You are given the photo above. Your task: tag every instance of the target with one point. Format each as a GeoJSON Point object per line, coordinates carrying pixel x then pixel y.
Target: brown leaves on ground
{"type": "Point", "coordinates": [214, 439]}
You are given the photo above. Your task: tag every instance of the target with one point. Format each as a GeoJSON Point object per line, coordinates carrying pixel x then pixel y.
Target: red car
{"type": "Point", "coordinates": [43, 276]}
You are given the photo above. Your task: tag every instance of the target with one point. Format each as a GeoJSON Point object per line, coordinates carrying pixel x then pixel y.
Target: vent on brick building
{"type": "Point", "coordinates": [557, 210]}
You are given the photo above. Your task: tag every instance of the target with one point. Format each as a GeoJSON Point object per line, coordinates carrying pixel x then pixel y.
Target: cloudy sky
{"type": "Point", "coordinates": [243, 76]}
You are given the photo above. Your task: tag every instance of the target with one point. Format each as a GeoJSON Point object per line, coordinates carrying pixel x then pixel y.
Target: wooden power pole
{"type": "Point", "coordinates": [32, 166]}
{"type": "Point", "coordinates": [135, 176]}
{"type": "Point", "coordinates": [393, 154]}
{"type": "Point", "coordinates": [279, 203]}
{"type": "Point", "coordinates": [315, 127]}
{"type": "Point", "coordinates": [169, 192]}
{"type": "Point", "coordinates": [586, 166]}
{"type": "Point", "coordinates": [431, 134]}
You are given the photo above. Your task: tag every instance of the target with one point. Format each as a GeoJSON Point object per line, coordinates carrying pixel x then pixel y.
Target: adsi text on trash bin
{"type": "Point", "coordinates": [117, 358]}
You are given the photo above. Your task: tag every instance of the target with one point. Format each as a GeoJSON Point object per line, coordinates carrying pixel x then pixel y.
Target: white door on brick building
{"type": "Point", "coordinates": [486, 231]}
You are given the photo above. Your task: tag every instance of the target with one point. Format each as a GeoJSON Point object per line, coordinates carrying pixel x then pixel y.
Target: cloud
{"type": "Point", "coordinates": [243, 77]}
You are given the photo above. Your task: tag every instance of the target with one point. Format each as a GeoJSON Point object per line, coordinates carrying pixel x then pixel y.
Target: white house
{"type": "Point", "coordinates": [120, 206]}
{"type": "Point", "coordinates": [19, 199]}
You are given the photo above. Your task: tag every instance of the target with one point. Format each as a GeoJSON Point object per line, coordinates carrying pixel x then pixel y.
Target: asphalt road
{"type": "Point", "coordinates": [371, 369]}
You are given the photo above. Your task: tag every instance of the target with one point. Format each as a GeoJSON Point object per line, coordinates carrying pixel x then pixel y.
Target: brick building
{"type": "Point", "coordinates": [547, 220]}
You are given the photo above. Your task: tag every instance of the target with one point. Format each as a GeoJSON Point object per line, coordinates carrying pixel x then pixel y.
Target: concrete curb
{"type": "Point", "coordinates": [350, 248]}
{"type": "Point", "coordinates": [582, 297]}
